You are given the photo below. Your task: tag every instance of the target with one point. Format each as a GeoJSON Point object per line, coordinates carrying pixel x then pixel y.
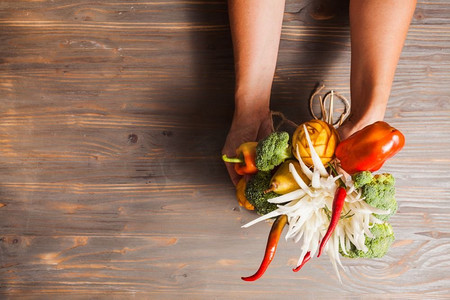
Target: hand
{"type": "Point", "coordinates": [351, 126]}
{"type": "Point", "coordinates": [346, 130]}
{"type": "Point", "coordinates": [246, 127]}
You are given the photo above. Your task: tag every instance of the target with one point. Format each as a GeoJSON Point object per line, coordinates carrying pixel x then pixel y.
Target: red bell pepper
{"type": "Point", "coordinates": [368, 148]}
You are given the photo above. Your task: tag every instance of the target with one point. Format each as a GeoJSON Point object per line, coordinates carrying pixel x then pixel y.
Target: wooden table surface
{"type": "Point", "coordinates": [112, 119]}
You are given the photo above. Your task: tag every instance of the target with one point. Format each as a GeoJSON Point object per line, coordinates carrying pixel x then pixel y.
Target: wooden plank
{"type": "Point", "coordinates": [113, 115]}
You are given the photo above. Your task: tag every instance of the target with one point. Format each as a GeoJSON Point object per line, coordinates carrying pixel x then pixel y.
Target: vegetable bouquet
{"type": "Point", "coordinates": [322, 189]}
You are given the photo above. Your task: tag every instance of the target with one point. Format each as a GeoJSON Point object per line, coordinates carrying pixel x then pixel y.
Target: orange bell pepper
{"type": "Point", "coordinates": [245, 159]}
{"type": "Point", "coordinates": [368, 148]}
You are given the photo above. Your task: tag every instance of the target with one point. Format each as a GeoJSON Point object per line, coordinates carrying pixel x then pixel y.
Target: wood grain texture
{"type": "Point", "coordinates": [112, 118]}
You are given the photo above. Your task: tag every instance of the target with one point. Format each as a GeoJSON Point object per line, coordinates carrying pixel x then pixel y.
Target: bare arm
{"type": "Point", "coordinates": [256, 29]}
{"type": "Point", "coordinates": [378, 32]}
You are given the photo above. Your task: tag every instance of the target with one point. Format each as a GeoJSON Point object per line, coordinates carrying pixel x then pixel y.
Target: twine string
{"type": "Point", "coordinates": [326, 111]}
{"type": "Point", "coordinates": [327, 115]}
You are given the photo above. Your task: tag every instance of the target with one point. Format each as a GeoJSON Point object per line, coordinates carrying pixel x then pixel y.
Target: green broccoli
{"type": "Point", "coordinates": [362, 178]}
{"type": "Point", "coordinates": [378, 191]}
{"type": "Point", "coordinates": [378, 245]}
{"type": "Point", "coordinates": [254, 192]}
{"type": "Point", "coordinates": [272, 151]}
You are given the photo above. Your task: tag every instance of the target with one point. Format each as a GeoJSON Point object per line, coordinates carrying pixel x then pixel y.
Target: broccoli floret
{"type": "Point", "coordinates": [254, 192]}
{"type": "Point", "coordinates": [272, 151]}
{"type": "Point", "coordinates": [378, 191]}
{"type": "Point", "coordinates": [377, 246]}
{"type": "Point", "coordinates": [362, 178]}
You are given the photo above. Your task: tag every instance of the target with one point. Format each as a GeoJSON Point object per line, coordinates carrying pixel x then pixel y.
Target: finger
{"type": "Point", "coordinates": [265, 128]}
{"type": "Point", "coordinates": [345, 131]}
{"type": "Point", "coordinates": [235, 179]}
{"type": "Point", "coordinates": [232, 173]}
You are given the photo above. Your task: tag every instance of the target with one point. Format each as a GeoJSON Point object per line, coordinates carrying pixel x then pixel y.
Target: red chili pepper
{"type": "Point", "coordinates": [271, 248]}
{"type": "Point", "coordinates": [305, 260]}
{"type": "Point", "coordinates": [338, 204]}
{"type": "Point", "coordinates": [368, 148]}
{"type": "Point", "coordinates": [245, 159]}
